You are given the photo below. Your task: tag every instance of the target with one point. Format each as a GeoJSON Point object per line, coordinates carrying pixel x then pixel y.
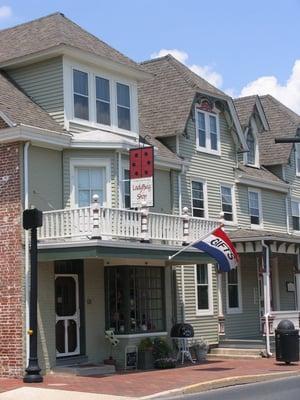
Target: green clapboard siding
{"type": "Point", "coordinates": [294, 180]}
{"type": "Point", "coordinates": [43, 82]}
{"type": "Point", "coordinates": [286, 265]}
{"type": "Point", "coordinates": [244, 325]}
{"type": "Point", "coordinates": [214, 169]}
{"type": "Point", "coordinates": [204, 326]}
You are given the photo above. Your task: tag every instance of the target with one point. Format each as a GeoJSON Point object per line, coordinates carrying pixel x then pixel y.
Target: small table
{"type": "Point", "coordinates": [183, 349]}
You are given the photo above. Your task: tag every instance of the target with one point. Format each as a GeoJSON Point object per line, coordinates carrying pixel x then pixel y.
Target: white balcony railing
{"type": "Point", "coordinates": [111, 223]}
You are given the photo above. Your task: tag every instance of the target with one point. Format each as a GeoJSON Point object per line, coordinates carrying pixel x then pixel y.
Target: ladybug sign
{"type": "Point", "coordinates": [141, 173]}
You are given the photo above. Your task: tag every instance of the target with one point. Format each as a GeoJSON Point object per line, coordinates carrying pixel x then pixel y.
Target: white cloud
{"type": "Point", "coordinates": [205, 71]}
{"type": "Point", "coordinates": [5, 12]}
{"type": "Point", "coordinates": [288, 93]}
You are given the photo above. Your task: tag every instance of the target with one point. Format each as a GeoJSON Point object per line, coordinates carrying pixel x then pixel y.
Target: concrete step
{"type": "Point", "coordinates": [88, 369]}
{"type": "Point", "coordinates": [236, 352]}
{"type": "Point", "coordinates": [75, 360]}
{"type": "Point", "coordinates": [232, 356]}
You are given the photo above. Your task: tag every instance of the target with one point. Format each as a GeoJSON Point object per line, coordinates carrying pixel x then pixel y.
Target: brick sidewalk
{"type": "Point", "coordinates": [137, 384]}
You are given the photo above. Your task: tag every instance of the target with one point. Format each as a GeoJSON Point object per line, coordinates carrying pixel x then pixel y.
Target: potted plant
{"type": "Point", "coordinates": [145, 358]}
{"type": "Point", "coordinates": [199, 348]}
{"type": "Point", "coordinates": [161, 348]}
{"type": "Point", "coordinates": [164, 363]}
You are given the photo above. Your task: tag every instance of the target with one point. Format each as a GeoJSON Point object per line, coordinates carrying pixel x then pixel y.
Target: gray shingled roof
{"type": "Point", "coordinates": [50, 31]}
{"type": "Point", "coordinates": [165, 100]}
{"type": "Point", "coordinates": [259, 173]}
{"type": "Point", "coordinates": [245, 107]}
{"type": "Point", "coordinates": [282, 122]}
{"type": "Point", "coordinates": [20, 109]}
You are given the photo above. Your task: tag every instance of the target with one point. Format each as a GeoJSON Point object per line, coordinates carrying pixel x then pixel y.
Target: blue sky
{"type": "Point", "coordinates": [242, 47]}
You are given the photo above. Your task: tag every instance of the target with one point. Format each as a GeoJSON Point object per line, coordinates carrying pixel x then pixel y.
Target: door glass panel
{"type": "Point", "coordinates": [72, 335]}
{"type": "Point", "coordinates": [65, 296]}
{"type": "Point", "coordinates": [60, 336]}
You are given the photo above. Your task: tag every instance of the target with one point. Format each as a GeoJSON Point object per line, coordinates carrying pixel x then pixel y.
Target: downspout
{"type": "Point", "coordinates": [179, 193]}
{"type": "Point", "coordinates": [27, 275]}
{"type": "Point", "coordinates": [120, 179]}
{"type": "Point", "coordinates": [266, 278]}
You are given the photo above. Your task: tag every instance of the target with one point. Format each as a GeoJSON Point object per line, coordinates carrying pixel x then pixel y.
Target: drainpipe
{"type": "Point", "coordinates": [179, 193]}
{"type": "Point", "coordinates": [120, 180]}
{"type": "Point", "coordinates": [266, 279]}
{"type": "Point", "coordinates": [27, 277]}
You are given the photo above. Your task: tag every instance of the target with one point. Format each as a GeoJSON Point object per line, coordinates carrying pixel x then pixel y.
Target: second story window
{"type": "Point", "coordinates": [90, 181]}
{"type": "Point", "coordinates": [123, 106]}
{"type": "Point", "coordinates": [296, 215]}
{"type": "Point", "coordinates": [81, 94]}
{"type": "Point", "coordinates": [102, 101]}
{"type": "Point", "coordinates": [255, 207]}
{"type": "Point", "coordinates": [207, 127]}
{"type": "Point", "coordinates": [198, 199]}
{"type": "Point", "coordinates": [227, 202]}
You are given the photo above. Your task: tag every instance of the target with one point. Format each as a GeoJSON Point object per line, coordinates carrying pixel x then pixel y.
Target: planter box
{"type": "Point", "coordinates": [145, 359]}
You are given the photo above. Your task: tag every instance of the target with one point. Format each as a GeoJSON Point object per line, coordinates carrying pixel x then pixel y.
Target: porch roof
{"type": "Point", "coordinates": [250, 235]}
{"type": "Point", "coordinates": [118, 251]}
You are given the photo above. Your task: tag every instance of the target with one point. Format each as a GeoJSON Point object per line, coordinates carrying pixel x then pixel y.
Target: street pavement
{"type": "Point", "coordinates": [288, 388]}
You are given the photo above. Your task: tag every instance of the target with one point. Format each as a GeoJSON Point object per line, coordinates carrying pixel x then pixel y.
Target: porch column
{"type": "Point", "coordinates": [297, 279]}
{"type": "Point", "coordinates": [267, 298]}
{"type": "Point", "coordinates": [221, 319]}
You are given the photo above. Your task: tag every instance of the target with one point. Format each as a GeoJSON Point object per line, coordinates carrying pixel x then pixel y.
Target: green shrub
{"type": "Point", "coordinates": [164, 363]}
{"type": "Point", "coordinates": [146, 344]}
{"type": "Point", "coordinates": [161, 348]}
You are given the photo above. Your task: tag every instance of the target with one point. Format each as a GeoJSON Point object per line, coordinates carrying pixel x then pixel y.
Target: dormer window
{"type": "Point", "coordinates": [251, 146]}
{"type": "Point", "coordinates": [207, 132]}
{"type": "Point", "coordinates": [100, 100]}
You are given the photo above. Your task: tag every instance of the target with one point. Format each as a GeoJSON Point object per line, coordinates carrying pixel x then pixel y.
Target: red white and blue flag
{"type": "Point", "coordinates": [218, 245]}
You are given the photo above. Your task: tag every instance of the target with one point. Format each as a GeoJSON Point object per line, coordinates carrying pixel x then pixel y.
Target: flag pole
{"type": "Point", "coordinates": [195, 241]}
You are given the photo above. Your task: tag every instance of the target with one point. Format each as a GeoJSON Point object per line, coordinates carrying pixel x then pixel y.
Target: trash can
{"type": "Point", "coordinates": [287, 342]}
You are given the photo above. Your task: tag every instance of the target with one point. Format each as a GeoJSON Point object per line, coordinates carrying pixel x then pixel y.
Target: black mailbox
{"type": "Point", "coordinates": [182, 331]}
{"type": "Point", "coordinates": [32, 218]}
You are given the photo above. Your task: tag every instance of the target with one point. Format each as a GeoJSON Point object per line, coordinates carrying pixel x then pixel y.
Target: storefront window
{"type": "Point", "coordinates": [135, 299]}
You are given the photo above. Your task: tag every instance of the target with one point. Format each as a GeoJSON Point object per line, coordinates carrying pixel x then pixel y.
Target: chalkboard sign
{"type": "Point", "coordinates": [131, 355]}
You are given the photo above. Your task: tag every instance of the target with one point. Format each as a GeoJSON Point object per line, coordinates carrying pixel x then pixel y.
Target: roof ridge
{"type": "Point", "coordinates": [246, 97]}
{"type": "Point", "coordinates": [32, 20]}
{"type": "Point", "coordinates": [152, 60]}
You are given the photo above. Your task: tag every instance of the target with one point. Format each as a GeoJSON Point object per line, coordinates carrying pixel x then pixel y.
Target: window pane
{"type": "Point", "coordinates": [123, 96]}
{"type": "Point", "coordinates": [197, 212]}
{"type": "Point", "coordinates": [233, 298]}
{"type": "Point", "coordinates": [201, 121]}
{"type": "Point", "coordinates": [214, 141]}
{"type": "Point", "coordinates": [83, 178]}
{"type": "Point", "coordinates": [295, 209]}
{"type": "Point", "coordinates": [103, 112]}
{"type": "Point", "coordinates": [254, 208]}
{"type": "Point", "coordinates": [203, 297]}
{"type": "Point", "coordinates": [232, 276]}
{"type": "Point", "coordinates": [201, 129]}
{"type": "Point", "coordinates": [96, 178]}
{"type": "Point", "coordinates": [254, 220]}
{"type": "Point", "coordinates": [80, 82]}
{"type": "Point", "coordinates": [251, 146]}
{"type": "Point", "coordinates": [213, 124]}
{"type": "Point", "coordinates": [84, 198]}
{"type": "Point", "coordinates": [81, 107]}
{"type": "Point", "coordinates": [296, 223]}
{"type": "Point", "coordinates": [197, 186]}
{"type": "Point", "coordinates": [202, 277]}
{"type": "Point", "coordinates": [124, 118]}
{"type": "Point", "coordinates": [102, 89]}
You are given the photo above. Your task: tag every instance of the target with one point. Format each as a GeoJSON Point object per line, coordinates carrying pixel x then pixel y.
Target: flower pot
{"type": "Point", "coordinates": [201, 354]}
{"type": "Point", "coordinates": [145, 359]}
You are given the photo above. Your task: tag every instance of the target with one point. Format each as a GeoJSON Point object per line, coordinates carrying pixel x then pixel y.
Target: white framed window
{"type": "Point", "coordinates": [251, 157]}
{"type": "Point", "coordinates": [199, 198]}
{"type": "Point", "coordinates": [297, 158]}
{"type": "Point", "coordinates": [228, 203]}
{"type": "Point", "coordinates": [126, 188]}
{"type": "Point", "coordinates": [203, 286]}
{"type": "Point", "coordinates": [81, 94]}
{"type": "Point", "coordinates": [295, 205]}
{"type": "Point", "coordinates": [255, 209]}
{"type": "Point", "coordinates": [89, 177]}
{"type": "Point", "coordinates": [207, 132]}
{"type": "Point", "coordinates": [234, 291]}
{"type": "Point", "coordinates": [99, 99]}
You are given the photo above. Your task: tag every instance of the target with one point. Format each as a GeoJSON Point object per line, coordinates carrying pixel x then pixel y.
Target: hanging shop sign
{"type": "Point", "coordinates": [141, 177]}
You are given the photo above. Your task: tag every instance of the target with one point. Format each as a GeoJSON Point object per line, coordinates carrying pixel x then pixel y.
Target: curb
{"type": "Point", "coordinates": [221, 383]}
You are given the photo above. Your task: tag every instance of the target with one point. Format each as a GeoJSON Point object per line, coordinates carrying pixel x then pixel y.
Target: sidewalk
{"type": "Point", "coordinates": [210, 374]}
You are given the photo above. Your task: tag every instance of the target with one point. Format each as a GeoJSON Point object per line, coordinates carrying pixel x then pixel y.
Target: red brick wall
{"type": "Point", "coordinates": [11, 263]}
